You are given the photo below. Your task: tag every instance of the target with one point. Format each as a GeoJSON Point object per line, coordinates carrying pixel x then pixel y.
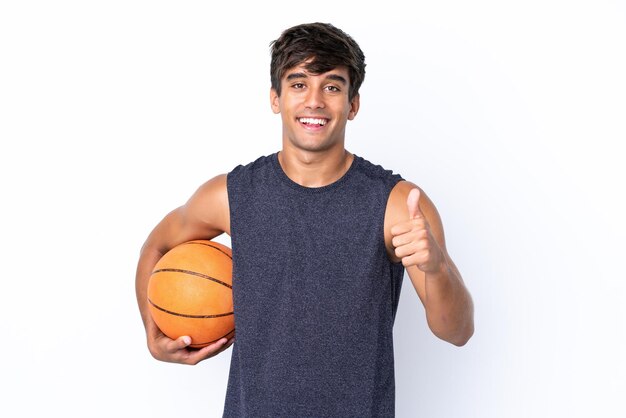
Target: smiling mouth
{"type": "Point", "coordinates": [313, 121]}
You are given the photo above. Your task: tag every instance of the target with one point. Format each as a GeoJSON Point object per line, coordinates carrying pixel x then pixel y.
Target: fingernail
{"type": "Point", "coordinates": [187, 340]}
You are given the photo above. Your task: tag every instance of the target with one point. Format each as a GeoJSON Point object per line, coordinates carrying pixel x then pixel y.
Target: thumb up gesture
{"type": "Point", "coordinates": [413, 240]}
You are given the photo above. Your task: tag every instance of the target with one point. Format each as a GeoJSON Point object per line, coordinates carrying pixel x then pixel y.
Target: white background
{"type": "Point", "coordinates": [511, 116]}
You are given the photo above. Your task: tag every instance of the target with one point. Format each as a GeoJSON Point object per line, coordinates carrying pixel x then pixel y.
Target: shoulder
{"type": "Point", "coordinates": [376, 171]}
{"type": "Point", "coordinates": [212, 187]}
{"type": "Point", "coordinates": [252, 166]}
{"type": "Point", "coordinates": [210, 204]}
{"type": "Point", "coordinates": [240, 179]}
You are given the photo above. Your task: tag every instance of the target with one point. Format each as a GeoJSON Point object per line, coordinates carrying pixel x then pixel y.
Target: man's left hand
{"type": "Point", "coordinates": [413, 241]}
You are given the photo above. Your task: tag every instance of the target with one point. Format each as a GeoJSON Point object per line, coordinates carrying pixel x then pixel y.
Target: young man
{"type": "Point", "coordinates": [320, 241]}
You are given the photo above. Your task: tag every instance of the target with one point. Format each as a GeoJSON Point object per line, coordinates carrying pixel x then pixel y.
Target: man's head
{"type": "Point", "coordinates": [322, 47]}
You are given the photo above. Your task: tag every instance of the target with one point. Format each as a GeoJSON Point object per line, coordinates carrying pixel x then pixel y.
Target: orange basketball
{"type": "Point", "coordinates": [190, 292]}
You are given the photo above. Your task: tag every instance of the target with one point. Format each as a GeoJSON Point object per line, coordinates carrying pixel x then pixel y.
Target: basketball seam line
{"type": "Point", "coordinates": [193, 273]}
{"type": "Point", "coordinates": [212, 246]}
{"type": "Point", "coordinates": [188, 315]}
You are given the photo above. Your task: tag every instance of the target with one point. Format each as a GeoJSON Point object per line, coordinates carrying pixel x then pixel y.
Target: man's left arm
{"type": "Point", "coordinates": [414, 236]}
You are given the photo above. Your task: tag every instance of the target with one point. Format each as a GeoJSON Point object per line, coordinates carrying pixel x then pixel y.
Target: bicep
{"type": "Point", "coordinates": [207, 211]}
{"type": "Point", "coordinates": [204, 216]}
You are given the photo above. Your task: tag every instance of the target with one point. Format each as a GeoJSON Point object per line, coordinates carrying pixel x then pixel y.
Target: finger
{"type": "Point", "coordinates": [216, 347]}
{"type": "Point", "coordinates": [194, 357]}
{"type": "Point", "coordinates": [416, 259]}
{"type": "Point", "coordinates": [410, 236]}
{"type": "Point", "coordinates": [229, 342]}
{"type": "Point", "coordinates": [401, 228]}
{"type": "Point", "coordinates": [178, 344]}
{"type": "Point", "coordinates": [407, 226]}
{"type": "Point", "coordinates": [409, 249]}
{"type": "Point", "coordinates": [412, 202]}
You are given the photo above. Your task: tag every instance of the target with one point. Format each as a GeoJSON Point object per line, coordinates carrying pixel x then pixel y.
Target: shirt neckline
{"type": "Point", "coordinates": [337, 183]}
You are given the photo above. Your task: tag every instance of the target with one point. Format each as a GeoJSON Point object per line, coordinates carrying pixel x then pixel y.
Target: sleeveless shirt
{"type": "Point", "coordinates": [315, 294]}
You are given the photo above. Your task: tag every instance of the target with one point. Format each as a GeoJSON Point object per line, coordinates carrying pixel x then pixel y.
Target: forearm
{"type": "Point", "coordinates": [418, 241]}
{"type": "Point", "coordinates": [449, 306]}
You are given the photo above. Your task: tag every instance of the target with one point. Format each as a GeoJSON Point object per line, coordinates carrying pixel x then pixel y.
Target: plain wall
{"type": "Point", "coordinates": [510, 115]}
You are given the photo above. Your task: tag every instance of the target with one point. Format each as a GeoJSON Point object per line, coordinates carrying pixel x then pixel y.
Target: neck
{"type": "Point", "coordinates": [315, 169]}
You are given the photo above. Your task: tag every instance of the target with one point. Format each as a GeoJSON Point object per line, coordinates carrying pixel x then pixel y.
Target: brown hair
{"type": "Point", "coordinates": [324, 46]}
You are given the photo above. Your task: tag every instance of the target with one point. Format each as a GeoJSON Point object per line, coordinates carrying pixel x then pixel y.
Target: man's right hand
{"type": "Point", "coordinates": [178, 351]}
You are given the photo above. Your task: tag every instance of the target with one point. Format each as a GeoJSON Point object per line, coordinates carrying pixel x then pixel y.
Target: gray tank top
{"type": "Point", "coordinates": [315, 294]}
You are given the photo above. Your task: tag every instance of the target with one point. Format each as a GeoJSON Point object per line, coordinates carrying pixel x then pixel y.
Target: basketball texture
{"type": "Point", "coordinates": [190, 292]}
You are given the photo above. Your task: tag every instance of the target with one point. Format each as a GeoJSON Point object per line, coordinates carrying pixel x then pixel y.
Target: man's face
{"type": "Point", "coordinates": [314, 108]}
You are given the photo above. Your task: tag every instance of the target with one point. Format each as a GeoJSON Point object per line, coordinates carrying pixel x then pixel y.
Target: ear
{"type": "Point", "coordinates": [274, 101]}
{"type": "Point", "coordinates": [355, 103]}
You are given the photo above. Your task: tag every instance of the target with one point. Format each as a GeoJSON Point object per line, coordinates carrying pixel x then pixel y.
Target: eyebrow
{"type": "Point", "coordinates": [335, 77]}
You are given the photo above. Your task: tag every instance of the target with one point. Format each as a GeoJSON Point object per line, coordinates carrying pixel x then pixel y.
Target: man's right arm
{"type": "Point", "coordinates": [204, 216]}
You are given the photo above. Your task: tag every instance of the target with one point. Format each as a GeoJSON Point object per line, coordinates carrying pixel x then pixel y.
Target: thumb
{"type": "Point", "coordinates": [183, 341]}
{"type": "Point", "coordinates": [412, 202]}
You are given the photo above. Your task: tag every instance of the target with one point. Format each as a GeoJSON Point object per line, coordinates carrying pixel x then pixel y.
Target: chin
{"type": "Point", "coordinates": [315, 145]}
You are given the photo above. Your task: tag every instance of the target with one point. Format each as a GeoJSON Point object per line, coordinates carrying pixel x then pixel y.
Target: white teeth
{"type": "Point", "coordinates": [313, 121]}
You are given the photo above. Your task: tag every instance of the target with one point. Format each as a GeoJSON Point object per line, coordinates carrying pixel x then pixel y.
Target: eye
{"type": "Point", "coordinates": [298, 86]}
{"type": "Point", "coordinates": [334, 89]}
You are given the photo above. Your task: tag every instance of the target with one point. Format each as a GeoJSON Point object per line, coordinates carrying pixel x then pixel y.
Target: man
{"type": "Point", "coordinates": [320, 240]}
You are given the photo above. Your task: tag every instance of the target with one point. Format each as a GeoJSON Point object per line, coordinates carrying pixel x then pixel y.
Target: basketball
{"type": "Point", "coordinates": [190, 292]}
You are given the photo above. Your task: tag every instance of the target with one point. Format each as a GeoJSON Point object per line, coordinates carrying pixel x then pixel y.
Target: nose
{"type": "Point", "coordinates": [314, 99]}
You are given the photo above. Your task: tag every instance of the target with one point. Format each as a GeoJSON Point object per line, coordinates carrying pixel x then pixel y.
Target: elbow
{"type": "Point", "coordinates": [455, 327]}
{"type": "Point", "coordinates": [459, 337]}
{"type": "Point", "coordinates": [465, 330]}
{"type": "Point", "coordinates": [462, 338]}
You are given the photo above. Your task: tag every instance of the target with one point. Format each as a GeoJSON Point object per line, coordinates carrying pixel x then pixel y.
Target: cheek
{"type": "Point", "coordinates": [288, 105]}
